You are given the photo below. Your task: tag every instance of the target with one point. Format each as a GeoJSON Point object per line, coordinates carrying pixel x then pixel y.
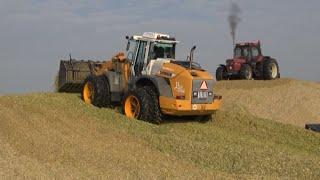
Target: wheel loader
{"type": "Point", "coordinates": [248, 63]}
{"type": "Point", "coordinates": [148, 82]}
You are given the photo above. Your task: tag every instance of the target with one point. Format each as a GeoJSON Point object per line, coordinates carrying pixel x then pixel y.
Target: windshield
{"type": "Point", "coordinates": [161, 50]}
{"type": "Point", "coordinates": [241, 52]}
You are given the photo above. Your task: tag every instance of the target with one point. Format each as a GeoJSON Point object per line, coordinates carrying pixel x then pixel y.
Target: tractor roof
{"type": "Point", "coordinates": [254, 43]}
{"type": "Point", "coordinates": [156, 37]}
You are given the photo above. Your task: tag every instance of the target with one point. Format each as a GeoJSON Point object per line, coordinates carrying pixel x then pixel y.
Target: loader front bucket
{"type": "Point", "coordinates": [72, 74]}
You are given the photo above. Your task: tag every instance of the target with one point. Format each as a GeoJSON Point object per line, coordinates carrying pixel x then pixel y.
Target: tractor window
{"type": "Point", "coordinates": [254, 52]}
{"type": "Point", "coordinates": [237, 52]}
{"type": "Point", "coordinates": [161, 50]}
{"type": "Point", "coordinates": [246, 52]}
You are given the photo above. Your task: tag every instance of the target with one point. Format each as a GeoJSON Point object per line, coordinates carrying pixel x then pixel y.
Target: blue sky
{"type": "Point", "coordinates": [35, 34]}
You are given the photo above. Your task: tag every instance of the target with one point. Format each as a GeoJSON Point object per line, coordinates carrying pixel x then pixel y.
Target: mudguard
{"type": "Point", "coordinates": [160, 83]}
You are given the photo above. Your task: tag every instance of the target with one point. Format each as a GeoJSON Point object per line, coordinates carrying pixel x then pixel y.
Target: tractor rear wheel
{"type": "Point", "coordinates": [221, 73]}
{"type": "Point", "coordinates": [136, 104]}
{"type": "Point", "coordinates": [96, 91]}
{"type": "Point", "coordinates": [246, 72]}
{"type": "Point", "coordinates": [270, 69]}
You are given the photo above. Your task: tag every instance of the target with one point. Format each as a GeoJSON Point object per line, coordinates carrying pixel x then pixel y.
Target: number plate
{"type": "Point", "coordinates": [203, 94]}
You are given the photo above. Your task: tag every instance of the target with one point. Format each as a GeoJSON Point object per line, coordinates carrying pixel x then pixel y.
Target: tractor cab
{"type": "Point", "coordinates": [148, 48]}
{"type": "Point", "coordinates": [248, 63]}
{"type": "Point", "coordinates": [244, 53]}
{"type": "Point", "coordinates": [247, 51]}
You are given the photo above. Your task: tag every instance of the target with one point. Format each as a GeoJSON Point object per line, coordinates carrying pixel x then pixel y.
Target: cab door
{"type": "Point", "coordinates": [140, 58]}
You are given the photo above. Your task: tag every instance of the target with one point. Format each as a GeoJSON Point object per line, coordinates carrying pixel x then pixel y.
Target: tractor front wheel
{"type": "Point", "coordinates": [221, 73]}
{"type": "Point", "coordinates": [246, 72]}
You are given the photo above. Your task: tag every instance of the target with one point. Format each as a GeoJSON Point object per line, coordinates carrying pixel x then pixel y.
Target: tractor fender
{"type": "Point", "coordinates": [161, 84]}
{"type": "Point", "coordinates": [266, 57]}
{"type": "Point", "coordinates": [222, 65]}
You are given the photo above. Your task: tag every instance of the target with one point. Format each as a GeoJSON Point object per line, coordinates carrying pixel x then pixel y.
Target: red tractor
{"type": "Point", "coordinates": [248, 63]}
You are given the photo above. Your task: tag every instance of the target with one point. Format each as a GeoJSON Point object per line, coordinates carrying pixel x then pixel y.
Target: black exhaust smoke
{"type": "Point", "coordinates": [234, 20]}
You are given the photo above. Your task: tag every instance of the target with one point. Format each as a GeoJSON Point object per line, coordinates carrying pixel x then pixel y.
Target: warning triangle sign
{"type": "Point", "coordinates": [204, 86]}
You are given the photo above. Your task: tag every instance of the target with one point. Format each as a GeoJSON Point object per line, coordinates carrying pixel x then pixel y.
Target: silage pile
{"type": "Point", "coordinates": [286, 100]}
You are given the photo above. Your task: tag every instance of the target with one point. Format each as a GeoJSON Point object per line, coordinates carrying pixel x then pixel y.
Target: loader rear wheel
{"type": "Point", "coordinates": [136, 104]}
{"type": "Point", "coordinates": [246, 72]}
{"type": "Point", "coordinates": [270, 69]}
{"type": "Point", "coordinates": [155, 110]}
{"type": "Point", "coordinates": [96, 91]}
{"type": "Point", "coordinates": [204, 118]}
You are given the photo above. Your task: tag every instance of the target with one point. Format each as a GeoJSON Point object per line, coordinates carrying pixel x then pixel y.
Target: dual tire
{"type": "Point", "coordinates": [142, 103]}
{"type": "Point", "coordinates": [96, 91]}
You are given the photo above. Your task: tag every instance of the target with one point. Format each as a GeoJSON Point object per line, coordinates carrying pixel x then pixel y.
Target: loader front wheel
{"type": "Point", "coordinates": [136, 104]}
{"type": "Point", "coordinates": [88, 93]}
{"type": "Point", "coordinates": [96, 91]}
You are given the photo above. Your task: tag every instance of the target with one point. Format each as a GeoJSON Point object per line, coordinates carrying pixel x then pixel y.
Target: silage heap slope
{"type": "Point", "coordinates": [288, 101]}
{"type": "Point", "coordinates": [58, 136]}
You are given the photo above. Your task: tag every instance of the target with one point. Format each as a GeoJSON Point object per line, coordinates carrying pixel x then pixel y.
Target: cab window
{"type": "Point", "coordinates": [138, 66]}
{"type": "Point", "coordinates": [245, 52]}
{"type": "Point", "coordinates": [132, 51]}
{"type": "Point", "coordinates": [237, 52]}
{"type": "Point", "coordinates": [161, 50]}
{"type": "Point", "coordinates": [254, 51]}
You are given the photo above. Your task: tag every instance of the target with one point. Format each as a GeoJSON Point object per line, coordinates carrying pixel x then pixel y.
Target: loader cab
{"type": "Point", "coordinates": [150, 46]}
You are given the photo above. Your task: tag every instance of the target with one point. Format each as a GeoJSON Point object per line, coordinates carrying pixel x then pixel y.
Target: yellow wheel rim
{"type": "Point", "coordinates": [132, 107]}
{"type": "Point", "coordinates": [88, 93]}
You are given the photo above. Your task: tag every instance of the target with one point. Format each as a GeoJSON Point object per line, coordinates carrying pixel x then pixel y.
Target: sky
{"type": "Point", "coordinates": [36, 34]}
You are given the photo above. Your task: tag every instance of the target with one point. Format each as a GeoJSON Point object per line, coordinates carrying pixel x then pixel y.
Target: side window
{"type": "Point", "coordinates": [254, 52]}
{"type": "Point", "coordinates": [131, 53]}
{"type": "Point", "coordinates": [138, 66]}
{"type": "Point", "coordinates": [237, 53]}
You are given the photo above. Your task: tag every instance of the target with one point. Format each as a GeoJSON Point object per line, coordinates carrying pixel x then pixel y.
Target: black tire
{"type": "Point", "coordinates": [246, 72]}
{"type": "Point", "coordinates": [155, 110]}
{"type": "Point", "coordinates": [270, 69]}
{"type": "Point", "coordinates": [101, 91]}
{"type": "Point", "coordinates": [221, 73]}
{"type": "Point", "coordinates": [144, 100]}
{"type": "Point", "coordinates": [205, 118]}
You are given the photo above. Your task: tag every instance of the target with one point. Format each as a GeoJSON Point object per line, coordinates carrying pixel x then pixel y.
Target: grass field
{"type": "Point", "coordinates": [256, 134]}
